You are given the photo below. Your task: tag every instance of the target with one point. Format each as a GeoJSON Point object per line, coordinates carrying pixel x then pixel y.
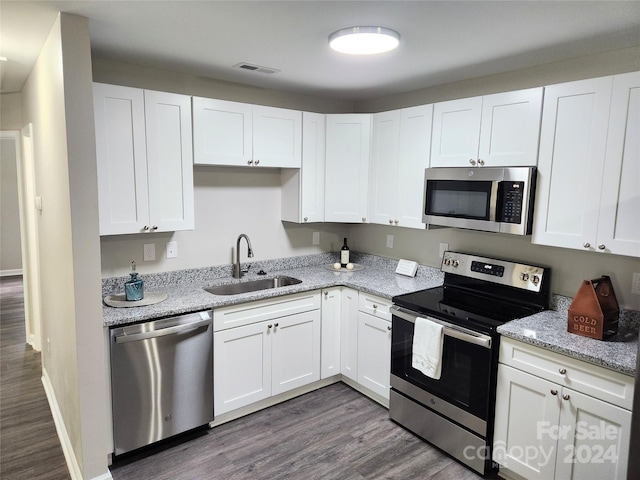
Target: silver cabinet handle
{"type": "Point", "coordinates": [390, 222]}
{"type": "Point", "coordinates": [602, 246]}
{"type": "Point", "coordinates": [364, 219]}
{"type": "Point", "coordinates": [326, 294]}
{"type": "Point", "coordinates": [586, 245]}
{"type": "Point", "coordinates": [269, 327]}
{"type": "Point", "coordinates": [375, 306]}
{"type": "Point", "coordinates": [249, 162]}
{"type": "Point", "coordinates": [554, 391]}
{"type": "Point", "coordinates": [396, 222]}
{"type": "Point", "coordinates": [472, 161]}
{"type": "Point", "coordinates": [306, 219]}
{"type": "Point", "coordinates": [565, 396]}
{"type": "Point", "coordinates": [480, 161]}
{"type": "Point", "coordinates": [256, 162]}
{"type": "Point", "coordinates": [562, 371]}
{"type": "Point", "coordinates": [155, 227]}
{"type": "Point", "coordinates": [389, 327]}
{"type": "Point", "coordinates": [124, 338]}
{"type": "Point", "coordinates": [145, 228]}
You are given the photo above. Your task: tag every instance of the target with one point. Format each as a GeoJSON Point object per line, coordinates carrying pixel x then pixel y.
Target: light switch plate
{"type": "Point", "coordinates": [172, 249]}
{"type": "Point", "coordinates": [389, 241]}
{"type": "Point", "coordinates": [316, 238]}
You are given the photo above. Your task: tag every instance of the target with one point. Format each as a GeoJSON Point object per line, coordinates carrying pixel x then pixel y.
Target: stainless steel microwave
{"type": "Point", "coordinates": [493, 199]}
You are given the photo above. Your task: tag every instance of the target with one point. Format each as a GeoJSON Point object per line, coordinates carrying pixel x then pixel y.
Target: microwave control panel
{"type": "Point", "coordinates": [510, 198]}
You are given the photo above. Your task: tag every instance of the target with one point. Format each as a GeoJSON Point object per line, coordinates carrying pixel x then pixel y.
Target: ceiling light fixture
{"type": "Point", "coordinates": [364, 40]}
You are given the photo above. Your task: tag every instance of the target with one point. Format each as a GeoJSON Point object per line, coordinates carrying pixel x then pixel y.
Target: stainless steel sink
{"type": "Point", "coordinates": [253, 286]}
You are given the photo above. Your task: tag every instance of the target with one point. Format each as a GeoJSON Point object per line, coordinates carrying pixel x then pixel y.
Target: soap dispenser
{"type": "Point", "coordinates": [134, 287]}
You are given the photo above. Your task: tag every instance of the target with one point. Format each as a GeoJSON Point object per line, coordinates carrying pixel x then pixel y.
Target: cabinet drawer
{"type": "Point", "coordinates": [593, 380]}
{"type": "Point", "coordinates": [252, 312]}
{"type": "Point", "coordinates": [376, 306]}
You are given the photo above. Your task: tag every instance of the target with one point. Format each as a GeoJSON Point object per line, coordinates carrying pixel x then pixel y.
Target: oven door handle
{"type": "Point", "coordinates": [448, 329]}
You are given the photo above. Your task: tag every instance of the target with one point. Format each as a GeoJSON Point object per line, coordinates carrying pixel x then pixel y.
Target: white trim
{"type": "Point", "coordinates": [11, 273]}
{"type": "Point", "coordinates": [63, 436]}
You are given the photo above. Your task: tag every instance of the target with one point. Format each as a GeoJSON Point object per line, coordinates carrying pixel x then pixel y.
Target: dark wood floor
{"type": "Point", "coordinates": [332, 433]}
{"type": "Point", "coordinates": [29, 445]}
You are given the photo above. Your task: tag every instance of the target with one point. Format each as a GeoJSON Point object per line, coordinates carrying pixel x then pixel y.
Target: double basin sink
{"type": "Point", "coordinates": [253, 286]}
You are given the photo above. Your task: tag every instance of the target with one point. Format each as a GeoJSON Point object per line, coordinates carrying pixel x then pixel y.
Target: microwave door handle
{"type": "Point", "coordinates": [493, 200]}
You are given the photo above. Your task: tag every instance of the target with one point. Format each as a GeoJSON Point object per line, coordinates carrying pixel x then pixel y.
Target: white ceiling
{"type": "Point", "coordinates": [442, 41]}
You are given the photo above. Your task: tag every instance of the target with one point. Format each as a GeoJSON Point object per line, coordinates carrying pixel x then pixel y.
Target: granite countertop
{"type": "Point", "coordinates": [185, 289]}
{"type": "Point", "coordinates": [548, 330]}
{"type": "Point", "coordinates": [185, 294]}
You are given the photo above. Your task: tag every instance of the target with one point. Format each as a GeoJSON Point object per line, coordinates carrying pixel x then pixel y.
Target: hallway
{"type": "Point", "coordinates": [29, 445]}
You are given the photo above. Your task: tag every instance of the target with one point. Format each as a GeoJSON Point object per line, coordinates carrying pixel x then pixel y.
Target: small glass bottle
{"type": "Point", "coordinates": [134, 287]}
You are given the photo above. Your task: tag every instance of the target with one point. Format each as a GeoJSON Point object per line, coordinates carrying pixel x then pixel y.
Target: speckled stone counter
{"type": "Point", "coordinates": [548, 330]}
{"type": "Point", "coordinates": [186, 292]}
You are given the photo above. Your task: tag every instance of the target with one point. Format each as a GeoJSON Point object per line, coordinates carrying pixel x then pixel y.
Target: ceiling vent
{"type": "Point", "coordinates": [256, 68]}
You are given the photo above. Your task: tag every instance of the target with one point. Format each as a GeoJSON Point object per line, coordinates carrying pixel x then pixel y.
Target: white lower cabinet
{"type": "Point", "coordinates": [253, 361]}
{"type": "Point", "coordinates": [552, 423]}
{"type": "Point", "coordinates": [349, 334]}
{"type": "Point", "coordinates": [330, 332]}
{"type": "Point", "coordinates": [374, 353]}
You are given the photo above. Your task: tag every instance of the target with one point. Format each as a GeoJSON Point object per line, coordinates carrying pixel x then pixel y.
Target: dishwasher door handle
{"type": "Point", "coordinates": [124, 338]}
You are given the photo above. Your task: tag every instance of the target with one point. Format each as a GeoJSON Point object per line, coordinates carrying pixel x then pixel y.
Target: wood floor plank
{"type": "Point", "coordinates": [29, 445]}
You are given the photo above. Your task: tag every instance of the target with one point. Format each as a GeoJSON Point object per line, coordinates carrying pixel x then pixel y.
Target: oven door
{"type": "Point", "coordinates": [464, 391]}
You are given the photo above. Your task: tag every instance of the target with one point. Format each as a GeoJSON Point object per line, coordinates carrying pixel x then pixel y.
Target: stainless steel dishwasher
{"type": "Point", "coordinates": [161, 379]}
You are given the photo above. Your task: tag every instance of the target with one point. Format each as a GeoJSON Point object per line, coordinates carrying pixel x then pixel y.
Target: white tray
{"type": "Point", "coordinates": [120, 301]}
{"type": "Point", "coordinates": [356, 267]}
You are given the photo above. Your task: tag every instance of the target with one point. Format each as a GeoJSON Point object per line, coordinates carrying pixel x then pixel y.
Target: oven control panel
{"type": "Point", "coordinates": [519, 275]}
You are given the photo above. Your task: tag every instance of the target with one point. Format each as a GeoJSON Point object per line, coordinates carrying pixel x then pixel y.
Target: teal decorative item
{"type": "Point", "coordinates": [134, 288]}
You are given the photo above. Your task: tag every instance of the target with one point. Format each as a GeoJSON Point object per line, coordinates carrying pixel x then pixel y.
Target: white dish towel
{"type": "Point", "coordinates": [428, 338]}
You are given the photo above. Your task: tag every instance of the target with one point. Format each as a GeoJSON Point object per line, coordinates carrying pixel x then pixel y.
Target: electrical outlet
{"type": "Point", "coordinates": [389, 241]}
{"type": "Point", "coordinates": [316, 238]}
{"type": "Point", "coordinates": [443, 248]}
{"type": "Point", "coordinates": [635, 283]}
{"type": "Point", "coordinates": [149, 252]}
{"type": "Point", "coordinates": [172, 249]}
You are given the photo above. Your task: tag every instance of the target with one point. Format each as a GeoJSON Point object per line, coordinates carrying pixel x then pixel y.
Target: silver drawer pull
{"type": "Point", "coordinates": [554, 392]}
{"type": "Point", "coordinates": [565, 396]}
{"type": "Point", "coordinates": [563, 371]}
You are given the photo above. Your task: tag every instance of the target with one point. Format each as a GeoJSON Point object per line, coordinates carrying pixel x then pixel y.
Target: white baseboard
{"type": "Point", "coordinates": [63, 436]}
{"type": "Point", "coordinates": [11, 273]}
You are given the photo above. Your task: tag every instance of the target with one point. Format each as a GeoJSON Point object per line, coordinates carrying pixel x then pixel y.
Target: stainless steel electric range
{"type": "Point", "coordinates": [456, 412]}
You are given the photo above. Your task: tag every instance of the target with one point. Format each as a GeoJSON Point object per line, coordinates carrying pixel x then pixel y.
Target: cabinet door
{"type": "Point", "coordinates": [573, 139]}
{"type": "Point", "coordinates": [456, 132]}
{"type": "Point", "coordinates": [384, 167]}
{"type": "Point", "coordinates": [510, 128]}
{"type": "Point", "coordinates": [374, 353]}
{"type": "Point", "coordinates": [123, 199]}
{"type": "Point", "coordinates": [347, 167]}
{"type": "Point", "coordinates": [169, 161]}
{"type": "Point", "coordinates": [349, 334]}
{"type": "Point", "coordinates": [222, 132]}
{"type": "Point", "coordinates": [415, 144]}
{"type": "Point", "coordinates": [303, 188]}
{"type": "Point", "coordinates": [330, 336]}
{"type": "Point", "coordinates": [277, 137]}
{"type": "Point", "coordinates": [295, 351]}
{"type": "Point", "coordinates": [593, 438]}
{"type": "Point", "coordinates": [619, 225]}
{"type": "Point", "coordinates": [526, 410]}
{"type": "Point", "coordinates": [242, 366]}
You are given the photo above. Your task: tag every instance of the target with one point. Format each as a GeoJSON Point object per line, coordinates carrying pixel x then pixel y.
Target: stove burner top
{"type": "Point", "coordinates": [458, 306]}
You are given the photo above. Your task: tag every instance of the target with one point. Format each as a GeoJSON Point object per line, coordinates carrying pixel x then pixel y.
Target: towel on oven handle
{"type": "Point", "coordinates": [428, 338]}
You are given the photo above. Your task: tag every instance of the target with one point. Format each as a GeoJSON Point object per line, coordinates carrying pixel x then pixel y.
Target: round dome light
{"type": "Point", "coordinates": [364, 40]}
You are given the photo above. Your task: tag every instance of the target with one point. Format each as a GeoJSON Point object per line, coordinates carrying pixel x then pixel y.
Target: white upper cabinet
{"type": "Point", "coordinates": [619, 220]}
{"type": "Point", "coordinates": [240, 134]}
{"type": "Point", "coordinates": [400, 153]}
{"type": "Point", "coordinates": [303, 188]}
{"type": "Point", "coordinates": [145, 169]}
{"type": "Point", "coordinates": [347, 167]}
{"type": "Point", "coordinates": [588, 171]}
{"type": "Point", "coordinates": [494, 130]}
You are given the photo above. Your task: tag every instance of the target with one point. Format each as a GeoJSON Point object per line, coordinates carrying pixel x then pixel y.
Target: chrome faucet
{"type": "Point", "coordinates": [237, 272]}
